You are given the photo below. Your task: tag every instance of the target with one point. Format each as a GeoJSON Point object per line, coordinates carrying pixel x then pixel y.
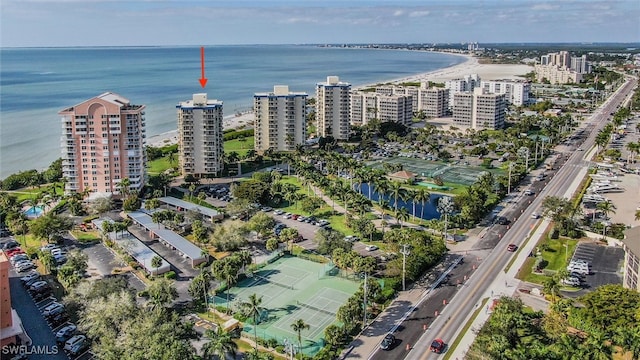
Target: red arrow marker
{"type": "Point", "coordinates": [203, 80]}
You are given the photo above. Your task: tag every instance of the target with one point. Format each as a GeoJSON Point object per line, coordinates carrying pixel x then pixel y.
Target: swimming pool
{"type": "Point", "coordinates": [34, 211]}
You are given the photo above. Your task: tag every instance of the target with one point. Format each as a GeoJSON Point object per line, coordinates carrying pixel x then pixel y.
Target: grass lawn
{"type": "Point", "coordinates": [86, 236]}
{"type": "Point", "coordinates": [160, 165]}
{"type": "Point", "coordinates": [241, 146]}
{"type": "Point", "coordinates": [30, 193]}
{"type": "Point", "coordinates": [556, 256]}
{"type": "Point", "coordinates": [32, 241]}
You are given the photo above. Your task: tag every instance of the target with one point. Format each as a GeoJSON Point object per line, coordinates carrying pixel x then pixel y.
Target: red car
{"type": "Point", "coordinates": [437, 346]}
{"type": "Point", "coordinates": [13, 251]}
{"type": "Point", "coordinates": [512, 247]}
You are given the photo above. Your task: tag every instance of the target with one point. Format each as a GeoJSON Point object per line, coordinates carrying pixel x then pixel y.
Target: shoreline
{"type": "Point", "coordinates": [470, 66]}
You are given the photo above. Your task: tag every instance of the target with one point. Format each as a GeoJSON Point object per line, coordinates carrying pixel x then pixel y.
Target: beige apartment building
{"type": "Point", "coordinates": [479, 109]}
{"type": "Point", "coordinates": [332, 108]}
{"type": "Point", "coordinates": [280, 119]}
{"type": "Point", "coordinates": [434, 102]}
{"type": "Point", "coordinates": [366, 106]}
{"type": "Point", "coordinates": [102, 143]}
{"type": "Point", "coordinates": [200, 136]}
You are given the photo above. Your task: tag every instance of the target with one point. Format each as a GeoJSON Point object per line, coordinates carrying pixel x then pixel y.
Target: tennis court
{"type": "Point", "coordinates": [292, 288]}
{"type": "Point", "coordinates": [452, 172]}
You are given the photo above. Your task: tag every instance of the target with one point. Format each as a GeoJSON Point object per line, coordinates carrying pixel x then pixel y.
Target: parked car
{"type": "Point", "coordinates": [65, 333]}
{"type": "Point", "coordinates": [287, 216]}
{"type": "Point", "coordinates": [25, 266]}
{"type": "Point", "coordinates": [351, 238]}
{"type": "Point", "coordinates": [13, 251]}
{"type": "Point", "coordinates": [30, 282]}
{"type": "Point", "coordinates": [437, 346]}
{"type": "Point", "coordinates": [79, 348]}
{"type": "Point", "coordinates": [10, 245]}
{"type": "Point", "coordinates": [39, 286]}
{"type": "Point", "coordinates": [570, 281]}
{"type": "Point", "coordinates": [39, 296]}
{"type": "Point", "coordinates": [17, 258]}
{"type": "Point", "coordinates": [58, 319]}
{"type": "Point", "coordinates": [387, 342]}
{"type": "Point", "coordinates": [278, 212]}
{"type": "Point", "coordinates": [371, 248]}
{"type": "Point", "coordinates": [266, 209]}
{"type": "Point", "coordinates": [74, 341]}
{"type": "Point", "coordinates": [30, 276]}
{"type": "Point", "coordinates": [57, 252]}
{"type": "Point", "coordinates": [49, 247]}
{"type": "Point", "coordinates": [60, 259]}
{"type": "Point", "coordinates": [51, 308]}
{"type": "Point", "coordinates": [301, 218]}
{"type": "Point", "coordinates": [579, 269]}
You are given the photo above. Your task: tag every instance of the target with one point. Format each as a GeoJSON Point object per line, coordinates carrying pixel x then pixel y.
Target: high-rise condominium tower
{"type": "Point", "coordinates": [280, 119]}
{"type": "Point", "coordinates": [200, 136]}
{"type": "Point", "coordinates": [102, 143]}
{"type": "Point", "coordinates": [332, 108]}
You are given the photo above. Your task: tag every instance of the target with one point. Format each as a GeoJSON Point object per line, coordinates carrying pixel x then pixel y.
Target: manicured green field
{"type": "Point", "coordinates": [241, 146]}
{"type": "Point", "coordinates": [160, 165]}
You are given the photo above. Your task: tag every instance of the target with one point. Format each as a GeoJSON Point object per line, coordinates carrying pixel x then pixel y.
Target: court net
{"type": "Point", "coordinates": [316, 309]}
{"type": "Point", "coordinates": [290, 287]}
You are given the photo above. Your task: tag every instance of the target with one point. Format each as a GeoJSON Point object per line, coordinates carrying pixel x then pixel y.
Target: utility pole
{"type": "Point", "coordinates": [509, 180]}
{"type": "Point", "coordinates": [364, 323]}
{"type": "Point", "coordinates": [405, 251]}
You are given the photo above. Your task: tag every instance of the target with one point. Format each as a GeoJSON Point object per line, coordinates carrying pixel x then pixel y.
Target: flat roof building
{"type": "Point", "coordinates": [280, 119]}
{"type": "Point", "coordinates": [479, 110]}
{"type": "Point", "coordinates": [102, 143]}
{"type": "Point", "coordinates": [366, 106]}
{"type": "Point", "coordinates": [11, 330]}
{"type": "Point", "coordinates": [200, 136]}
{"type": "Point", "coordinates": [631, 246]}
{"type": "Point", "coordinates": [332, 108]}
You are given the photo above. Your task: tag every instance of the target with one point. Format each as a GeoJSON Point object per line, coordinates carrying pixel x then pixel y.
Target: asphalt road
{"type": "Point", "coordinates": [468, 297]}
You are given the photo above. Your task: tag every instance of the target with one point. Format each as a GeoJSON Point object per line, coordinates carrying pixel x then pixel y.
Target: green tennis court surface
{"type": "Point", "coordinates": [292, 288]}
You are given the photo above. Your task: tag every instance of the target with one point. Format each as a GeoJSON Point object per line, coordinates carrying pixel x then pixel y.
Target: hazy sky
{"type": "Point", "coordinates": [210, 22]}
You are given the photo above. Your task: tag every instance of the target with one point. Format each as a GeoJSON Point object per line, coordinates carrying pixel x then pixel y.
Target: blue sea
{"type": "Point", "coordinates": [35, 84]}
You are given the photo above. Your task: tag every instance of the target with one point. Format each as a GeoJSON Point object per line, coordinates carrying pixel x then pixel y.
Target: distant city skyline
{"type": "Point", "coordinates": [42, 23]}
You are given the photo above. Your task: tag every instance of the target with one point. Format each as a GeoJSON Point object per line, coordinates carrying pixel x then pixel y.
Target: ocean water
{"type": "Point", "coordinates": [35, 84]}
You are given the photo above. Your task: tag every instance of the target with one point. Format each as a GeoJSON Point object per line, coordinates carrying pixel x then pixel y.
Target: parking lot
{"type": "Point", "coordinates": [606, 266]}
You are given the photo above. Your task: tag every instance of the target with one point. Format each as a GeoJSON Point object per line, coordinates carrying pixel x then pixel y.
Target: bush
{"type": "Point", "coordinates": [134, 264]}
{"type": "Point", "coordinates": [232, 135]}
{"type": "Point", "coordinates": [89, 219]}
{"type": "Point", "coordinates": [171, 275]}
{"type": "Point", "coordinates": [240, 317]}
{"type": "Point", "coordinates": [221, 309]}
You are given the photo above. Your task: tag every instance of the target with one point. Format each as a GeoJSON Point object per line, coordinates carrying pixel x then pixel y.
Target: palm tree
{"type": "Point", "coordinates": [606, 207]}
{"type": "Point", "coordinates": [397, 192]}
{"type": "Point", "coordinates": [220, 343]}
{"type": "Point", "coordinates": [551, 287]}
{"type": "Point", "coordinates": [298, 326]}
{"type": "Point", "coordinates": [402, 215]}
{"type": "Point", "coordinates": [123, 186]}
{"type": "Point", "coordinates": [253, 310]}
{"type": "Point", "coordinates": [637, 215]}
{"type": "Point", "coordinates": [445, 207]}
{"type": "Point", "coordinates": [422, 195]}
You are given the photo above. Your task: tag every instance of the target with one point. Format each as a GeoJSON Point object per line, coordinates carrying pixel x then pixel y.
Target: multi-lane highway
{"type": "Point", "coordinates": [467, 297]}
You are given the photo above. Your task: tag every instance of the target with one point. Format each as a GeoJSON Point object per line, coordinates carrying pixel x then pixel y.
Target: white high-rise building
{"type": "Point", "coordinates": [280, 119]}
{"type": "Point", "coordinates": [102, 143]}
{"type": "Point", "coordinates": [200, 136]}
{"type": "Point", "coordinates": [479, 109]}
{"type": "Point", "coordinates": [332, 108]}
{"type": "Point", "coordinates": [434, 102]}
{"type": "Point", "coordinates": [386, 108]}
{"type": "Point", "coordinates": [580, 65]}
{"type": "Point", "coordinates": [468, 83]}
{"type": "Point", "coordinates": [517, 92]}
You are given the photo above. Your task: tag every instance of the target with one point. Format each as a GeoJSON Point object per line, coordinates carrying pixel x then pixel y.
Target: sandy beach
{"type": "Point", "coordinates": [229, 122]}
{"type": "Point", "coordinates": [470, 66]}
